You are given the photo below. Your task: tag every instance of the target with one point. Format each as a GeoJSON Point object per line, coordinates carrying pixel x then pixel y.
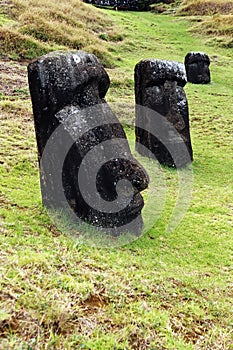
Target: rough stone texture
{"type": "Point", "coordinates": [197, 68]}
{"type": "Point", "coordinates": [121, 4]}
{"type": "Point", "coordinates": [62, 86]}
{"type": "Point", "coordinates": [159, 87]}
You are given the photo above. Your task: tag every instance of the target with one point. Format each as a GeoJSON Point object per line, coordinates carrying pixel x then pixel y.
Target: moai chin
{"type": "Point", "coordinates": [72, 119]}
{"type": "Point", "coordinates": [162, 117]}
{"type": "Point", "coordinates": [197, 67]}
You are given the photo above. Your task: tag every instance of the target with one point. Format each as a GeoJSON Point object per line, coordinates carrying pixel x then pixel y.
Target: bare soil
{"type": "Point", "coordinates": [13, 78]}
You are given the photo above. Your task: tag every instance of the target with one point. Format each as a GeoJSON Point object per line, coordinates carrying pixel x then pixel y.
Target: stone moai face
{"type": "Point", "coordinates": [159, 88]}
{"type": "Point", "coordinates": [197, 68]}
{"type": "Point", "coordinates": [82, 147]}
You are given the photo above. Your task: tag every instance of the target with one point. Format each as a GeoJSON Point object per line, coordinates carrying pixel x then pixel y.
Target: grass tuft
{"type": "Point", "coordinates": [217, 20]}
{"type": "Point", "coordinates": [206, 7]}
{"type": "Point", "coordinates": [19, 46]}
{"type": "Point", "coordinates": [34, 28]}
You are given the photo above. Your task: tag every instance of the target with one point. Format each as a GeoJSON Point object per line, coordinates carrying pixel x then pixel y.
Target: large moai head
{"type": "Point", "coordinates": [197, 67]}
{"type": "Point", "coordinates": [83, 151]}
{"type": "Point", "coordinates": [159, 88]}
{"type": "Point", "coordinates": [60, 79]}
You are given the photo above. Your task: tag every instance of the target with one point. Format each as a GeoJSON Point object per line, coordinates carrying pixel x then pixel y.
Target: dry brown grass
{"type": "Point", "coordinates": [215, 18]}
{"type": "Point", "coordinates": [219, 25]}
{"type": "Point", "coordinates": [206, 7]}
{"type": "Point", "coordinates": [43, 26]}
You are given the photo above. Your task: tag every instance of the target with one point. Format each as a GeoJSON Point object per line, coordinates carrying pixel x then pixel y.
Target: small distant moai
{"type": "Point", "coordinates": [72, 118]}
{"type": "Point", "coordinates": [197, 67]}
{"type": "Point", "coordinates": [162, 117]}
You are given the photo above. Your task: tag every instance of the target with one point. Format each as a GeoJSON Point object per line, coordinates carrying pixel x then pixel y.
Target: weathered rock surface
{"type": "Point", "coordinates": [71, 120]}
{"type": "Point", "coordinates": [122, 4]}
{"type": "Point", "coordinates": [162, 125]}
{"type": "Point", "coordinates": [197, 67]}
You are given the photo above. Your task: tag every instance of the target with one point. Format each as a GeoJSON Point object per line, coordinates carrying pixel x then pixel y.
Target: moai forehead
{"type": "Point", "coordinates": [196, 57]}
{"type": "Point", "coordinates": [154, 72]}
{"type": "Point", "coordinates": [61, 77]}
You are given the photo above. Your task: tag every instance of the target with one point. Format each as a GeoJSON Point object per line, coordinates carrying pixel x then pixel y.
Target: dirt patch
{"type": "Point", "coordinates": [13, 79]}
{"type": "Point", "coordinates": [93, 304]}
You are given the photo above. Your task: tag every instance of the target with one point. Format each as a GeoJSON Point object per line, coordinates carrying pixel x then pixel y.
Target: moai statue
{"type": "Point", "coordinates": [197, 67]}
{"type": "Point", "coordinates": [84, 156]}
{"type": "Point", "coordinates": [162, 117]}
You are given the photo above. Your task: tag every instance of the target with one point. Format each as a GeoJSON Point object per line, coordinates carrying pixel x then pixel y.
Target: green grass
{"type": "Point", "coordinates": [167, 290]}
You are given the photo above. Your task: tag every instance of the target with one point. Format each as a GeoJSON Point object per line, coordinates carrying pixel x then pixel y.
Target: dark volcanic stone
{"type": "Point", "coordinates": [122, 4]}
{"type": "Point", "coordinates": [162, 118]}
{"type": "Point", "coordinates": [197, 68]}
{"type": "Point", "coordinates": [72, 120]}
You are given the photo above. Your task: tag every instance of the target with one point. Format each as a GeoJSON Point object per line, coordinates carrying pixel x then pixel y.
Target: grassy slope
{"type": "Point", "coordinates": [166, 290]}
{"type": "Point", "coordinates": [40, 27]}
{"type": "Point", "coordinates": [207, 7]}
{"type": "Point", "coordinates": [213, 17]}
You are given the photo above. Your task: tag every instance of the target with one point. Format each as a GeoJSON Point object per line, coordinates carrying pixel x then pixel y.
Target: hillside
{"type": "Point", "coordinates": [213, 18]}
{"type": "Point", "coordinates": [206, 7]}
{"type": "Point", "coordinates": [31, 28]}
{"type": "Point", "coordinates": [168, 290]}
